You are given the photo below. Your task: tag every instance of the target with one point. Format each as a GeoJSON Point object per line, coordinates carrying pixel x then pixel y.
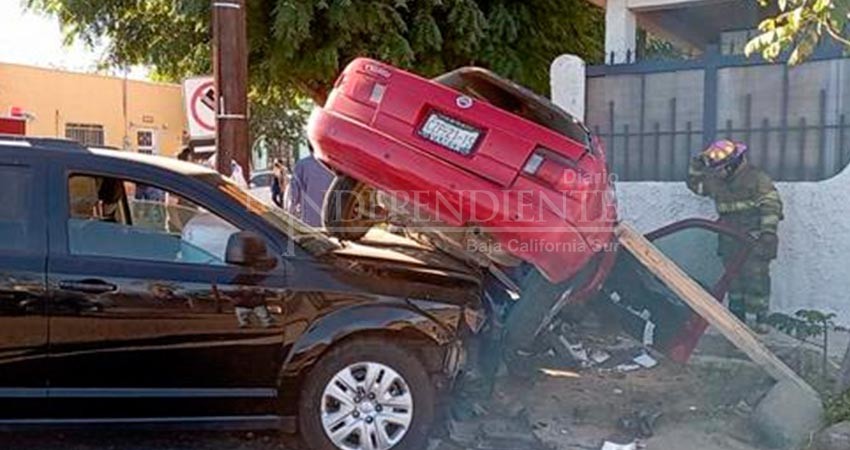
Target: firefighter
{"type": "Point", "coordinates": [745, 198]}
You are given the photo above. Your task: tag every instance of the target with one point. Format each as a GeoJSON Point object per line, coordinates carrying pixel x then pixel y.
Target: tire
{"type": "Point", "coordinates": [318, 400]}
{"type": "Point", "coordinates": [525, 320]}
{"type": "Point", "coordinates": [341, 213]}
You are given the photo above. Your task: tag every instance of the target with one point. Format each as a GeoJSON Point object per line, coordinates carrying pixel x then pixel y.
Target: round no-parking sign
{"type": "Point", "coordinates": [199, 97]}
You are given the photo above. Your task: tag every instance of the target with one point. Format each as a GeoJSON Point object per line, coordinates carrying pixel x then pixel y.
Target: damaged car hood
{"type": "Point", "coordinates": [386, 249]}
{"type": "Point", "coordinates": [396, 263]}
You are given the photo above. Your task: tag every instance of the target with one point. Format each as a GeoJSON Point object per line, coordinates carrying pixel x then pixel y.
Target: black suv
{"type": "Point", "coordinates": [143, 291]}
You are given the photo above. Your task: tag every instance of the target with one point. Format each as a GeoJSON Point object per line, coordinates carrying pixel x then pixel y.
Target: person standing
{"type": "Point", "coordinates": [278, 186]}
{"type": "Point", "coordinates": [746, 198]}
{"type": "Point", "coordinates": [305, 195]}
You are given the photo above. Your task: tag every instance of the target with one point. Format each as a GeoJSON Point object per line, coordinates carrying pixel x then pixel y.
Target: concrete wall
{"type": "Point", "coordinates": [58, 97]}
{"type": "Point", "coordinates": [570, 91]}
{"type": "Point", "coordinates": [617, 99]}
{"type": "Point", "coordinates": [813, 267]}
{"type": "Point", "coordinates": [620, 30]}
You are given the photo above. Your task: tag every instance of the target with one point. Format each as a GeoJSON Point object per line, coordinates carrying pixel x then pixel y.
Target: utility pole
{"type": "Point", "coordinates": [230, 68]}
{"type": "Point", "coordinates": [125, 143]}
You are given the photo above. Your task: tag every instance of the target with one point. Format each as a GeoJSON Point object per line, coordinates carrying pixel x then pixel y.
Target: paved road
{"type": "Point", "coordinates": [139, 440]}
{"type": "Point", "coordinates": [147, 441]}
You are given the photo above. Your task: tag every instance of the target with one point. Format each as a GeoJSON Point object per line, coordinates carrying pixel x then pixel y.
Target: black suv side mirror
{"type": "Point", "coordinates": [249, 249]}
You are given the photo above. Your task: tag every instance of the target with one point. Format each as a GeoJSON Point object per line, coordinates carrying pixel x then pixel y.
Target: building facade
{"type": "Point", "coordinates": [96, 110]}
{"type": "Point", "coordinates": [691, 25]}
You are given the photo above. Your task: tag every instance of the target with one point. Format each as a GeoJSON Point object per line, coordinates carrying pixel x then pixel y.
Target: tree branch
{"type": "Point", "coordinates": [837, 35]}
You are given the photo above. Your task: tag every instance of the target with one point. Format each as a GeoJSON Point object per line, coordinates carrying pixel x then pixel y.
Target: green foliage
{"type": "Point", "coordinates": [301, 45]}
{"type": "Point", "coordinates": [654, 47]}
{"type": "Point", "coordinates": [298, 47]}
{"type": "Point", "coordinates": [799, 26]}
{"type": "Point", "coordinates": [278, 117]}
{"type": "Point", "coordinates": [171, 36]}
{"type": "Point", "coordinates": [805, 323]}
{"type": "Point", "coordinates": [838, 408]}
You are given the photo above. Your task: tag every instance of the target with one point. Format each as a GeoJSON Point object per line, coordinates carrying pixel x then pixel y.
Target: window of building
{"type": "Point", "coordinates": [124, 219]}
{"type": "Point", "coordinates": [90, 135]}
{"type": "Point", "coordinates": [145, 141]}
{"type": "Point", "coordinates": [16, 215]}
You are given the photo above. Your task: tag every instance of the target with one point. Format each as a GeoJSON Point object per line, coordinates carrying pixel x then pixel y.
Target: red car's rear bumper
{"type": "Point", "coordinates": [558, 237]}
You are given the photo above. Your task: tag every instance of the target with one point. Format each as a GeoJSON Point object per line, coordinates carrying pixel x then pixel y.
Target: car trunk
{"type": "Point", "coordinates": [502, 146]}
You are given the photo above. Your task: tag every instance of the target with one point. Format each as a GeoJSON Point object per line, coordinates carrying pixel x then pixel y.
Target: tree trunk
{"type": "Point", "coordinates": [842, 384]}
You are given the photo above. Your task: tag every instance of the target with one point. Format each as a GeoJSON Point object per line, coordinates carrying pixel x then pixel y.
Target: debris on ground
{"type": "Point", "coordinates": [640, 423]}
{"type": "Point", "coordinates": [645, 361]}
{"type": "Point", "coordinates": [586, 401]}
{"type": "Point", "coordinates": [495, 432]}
{"type": "Point", "coordinates": [612, 446]}
{"type": "Point", "coordinates": [578, 347]}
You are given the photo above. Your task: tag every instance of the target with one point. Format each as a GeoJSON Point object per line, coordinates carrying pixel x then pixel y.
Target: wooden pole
{"type": "Point", "coordinates": [706, 305]}
{"type": "Point", "coordinates": [230, 68]}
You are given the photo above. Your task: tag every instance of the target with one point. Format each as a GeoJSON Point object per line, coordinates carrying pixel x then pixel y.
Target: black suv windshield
{"type": "Point", "coordinates": [311, 239]}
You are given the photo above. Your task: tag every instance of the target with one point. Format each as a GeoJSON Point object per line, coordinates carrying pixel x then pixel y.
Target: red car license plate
{"type": "Point", "coordinates": [450, 133]}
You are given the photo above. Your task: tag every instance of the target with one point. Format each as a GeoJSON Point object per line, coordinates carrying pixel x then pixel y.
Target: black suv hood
{"type": "Point", "coordinates": [397, 266]}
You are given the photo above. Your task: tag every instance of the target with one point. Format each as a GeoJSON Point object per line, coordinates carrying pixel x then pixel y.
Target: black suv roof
{"type": "Point", "coordinates": [65, 146]}
{"type": "Point", "coordinates": [56, 144]}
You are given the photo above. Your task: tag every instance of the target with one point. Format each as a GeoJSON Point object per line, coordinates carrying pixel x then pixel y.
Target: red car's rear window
{"type": "Point", "coordinates": [511, 97]}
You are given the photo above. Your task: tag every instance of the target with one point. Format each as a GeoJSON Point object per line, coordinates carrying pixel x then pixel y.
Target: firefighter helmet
{"type": "Point", "coordinates": [724, 153]}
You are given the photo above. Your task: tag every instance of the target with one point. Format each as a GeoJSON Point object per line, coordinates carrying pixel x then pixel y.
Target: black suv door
{"type": "Point", "coordinates": [648, 309]}
{"type": "Point", "coordinates": [23, 323]}
{"type": "Point", "coordinates": [147, 318]}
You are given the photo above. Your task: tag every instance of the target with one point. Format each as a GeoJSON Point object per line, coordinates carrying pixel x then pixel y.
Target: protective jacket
{"type": "Point", "coordinates": [748, 201]}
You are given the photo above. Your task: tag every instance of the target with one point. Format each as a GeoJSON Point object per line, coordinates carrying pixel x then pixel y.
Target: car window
{"type": "Point", "coordinates": [700, 252]}
{"type": "Point", "coordinates": [261, 180]}
{"type": "Point", "coordinates": [17, 214]}
{"type": "Point", "coordinates": [516, 99]}
{"type": "Point", "coordinates": [125, 219]}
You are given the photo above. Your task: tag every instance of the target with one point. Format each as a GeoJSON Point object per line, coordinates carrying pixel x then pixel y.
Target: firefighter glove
{"type": "Point", "coordinates": [767, 245]}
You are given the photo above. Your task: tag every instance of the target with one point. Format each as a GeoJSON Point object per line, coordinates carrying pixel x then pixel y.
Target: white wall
{"type": "Point", "coordinates": [813, 267]}
{"type": "Point", "coordinates": [620, 30]}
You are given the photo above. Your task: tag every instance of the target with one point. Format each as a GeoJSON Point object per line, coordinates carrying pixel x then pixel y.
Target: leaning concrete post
{"type": "Point", "coordinates": [567, 76]}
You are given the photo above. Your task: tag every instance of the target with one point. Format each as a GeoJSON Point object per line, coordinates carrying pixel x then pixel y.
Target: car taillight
{"type": "Point", "coordinates": [370, 84]}
{"type": "Point", "coordinates": [553, 169]}
{"type": "Point", "coordinates": [377, 93]}
{"type": "Point", "coordinates": [367, 91]}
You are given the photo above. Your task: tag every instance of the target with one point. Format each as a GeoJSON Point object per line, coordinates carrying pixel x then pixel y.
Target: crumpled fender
{"type": "Point", "coordinates": [399, 317]}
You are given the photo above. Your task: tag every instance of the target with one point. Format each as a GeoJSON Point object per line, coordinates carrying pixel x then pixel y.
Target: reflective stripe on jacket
{"type": "Point", "coordinates": [748, 199]}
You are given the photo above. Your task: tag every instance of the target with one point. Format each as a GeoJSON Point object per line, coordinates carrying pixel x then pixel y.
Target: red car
{"type": "Point", "coordinates": [473, 162]}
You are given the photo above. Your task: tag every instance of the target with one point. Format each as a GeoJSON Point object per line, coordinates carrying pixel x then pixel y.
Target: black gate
{"type": "Point", "coordinates": [653, 115]}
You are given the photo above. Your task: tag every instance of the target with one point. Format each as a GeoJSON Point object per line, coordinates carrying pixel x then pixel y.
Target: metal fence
{"type": "Point", "coordinates": [795, 123]}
